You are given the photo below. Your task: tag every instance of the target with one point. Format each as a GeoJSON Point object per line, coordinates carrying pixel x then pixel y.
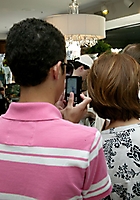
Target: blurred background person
{"type": "Point", "coordinates": [133, 50]}
{"type": "Point", "coordinates": [82, 66]}
{"type": "Point", "coordinates": [113, 85]}
{"type": "Point", "coordinates": [4, 104]}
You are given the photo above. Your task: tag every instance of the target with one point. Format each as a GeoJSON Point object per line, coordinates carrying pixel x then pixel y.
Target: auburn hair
{"type": "Point", "coordinates": [113, 85]}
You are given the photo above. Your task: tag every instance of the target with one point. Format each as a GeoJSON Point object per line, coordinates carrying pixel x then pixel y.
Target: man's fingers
{"type": "Point", "coordinates": [61, 97]}
{"type": "Point", "coordinates": [74, 114]}
{"type": "Point", "coordinates": [86, 100]}
{"type": "Point", "coordinates": [82, 96]}
{"type": "Point", "coordinates": [71, 100]}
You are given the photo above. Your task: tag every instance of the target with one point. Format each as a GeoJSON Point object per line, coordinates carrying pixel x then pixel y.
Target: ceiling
{"type": "Point", "coordinates": [15, 10]}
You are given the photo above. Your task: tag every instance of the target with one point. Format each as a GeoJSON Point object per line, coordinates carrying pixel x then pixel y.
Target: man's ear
{"type": "Point", "coordinates": [56, 70]}
{"type": "Point", "coordinates": [81, 67]}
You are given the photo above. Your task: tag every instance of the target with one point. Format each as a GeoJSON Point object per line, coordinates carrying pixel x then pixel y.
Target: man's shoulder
{"type": "Point", "coordinates": [78, 126]}
{"type": "Point", "coordinates": [79, 130]}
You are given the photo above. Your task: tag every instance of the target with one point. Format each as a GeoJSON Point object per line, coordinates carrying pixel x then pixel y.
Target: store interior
{"type": "Point", "coordinates": [126, 32]}
{"type": "Point", "coordinates": [121, 27]}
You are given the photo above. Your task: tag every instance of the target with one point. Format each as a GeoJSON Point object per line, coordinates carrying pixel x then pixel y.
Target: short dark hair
{"type": "Point", "coordinates": [113, 85]}
{"type": "Point", "coordinates": [33, 46]}
{"type": "Point", "coordinates": [133, 50]}
{"type": "Point", "coordinates": [69, 67]}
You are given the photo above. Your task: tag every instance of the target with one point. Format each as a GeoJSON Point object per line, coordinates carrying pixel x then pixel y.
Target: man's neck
{"type": "Point", "coordinates": [74, 73]}
{"type": "Point", "coordinates": [39, 93]}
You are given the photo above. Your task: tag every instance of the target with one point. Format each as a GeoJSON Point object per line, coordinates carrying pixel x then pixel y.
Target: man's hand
{"type": "Point", "coordinates": [61, 103]}
{"type": "Point", "coordinates": [75, 114]}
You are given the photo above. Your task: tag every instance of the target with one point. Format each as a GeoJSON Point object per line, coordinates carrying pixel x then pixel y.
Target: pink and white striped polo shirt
{"type": "Point", "coordinates": [44, 157]}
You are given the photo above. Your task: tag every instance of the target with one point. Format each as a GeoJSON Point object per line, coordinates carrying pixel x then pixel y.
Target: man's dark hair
{"type": "Point", "coordinates": [69, 67]}
{"type": "Point", "coordinates": [78, 64]}
{"type": "Point", "coordinates": [33, 46]}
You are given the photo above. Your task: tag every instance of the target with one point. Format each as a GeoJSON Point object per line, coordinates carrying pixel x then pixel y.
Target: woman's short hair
{"type": "Point", "coordinates": [113, 85]}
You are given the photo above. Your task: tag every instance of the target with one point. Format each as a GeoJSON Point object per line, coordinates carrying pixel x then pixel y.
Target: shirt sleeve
{"type": "Point", "coordinates": [97, 183]}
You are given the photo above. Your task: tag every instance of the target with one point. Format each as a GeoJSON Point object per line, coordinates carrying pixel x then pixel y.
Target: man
{"type": "Point", "coordinates": [82, 66]}
{"type": "Point", "coordinates": [43, 156]}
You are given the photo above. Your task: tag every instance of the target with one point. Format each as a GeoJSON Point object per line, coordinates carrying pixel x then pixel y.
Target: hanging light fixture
{"type": "Point", "coordinates": [74, 7]}
{"type": "Point", "coordinates": [86, 29]}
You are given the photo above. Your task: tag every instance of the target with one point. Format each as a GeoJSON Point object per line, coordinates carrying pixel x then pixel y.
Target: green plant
{"type": "Point", "coordinates": [99, 48]}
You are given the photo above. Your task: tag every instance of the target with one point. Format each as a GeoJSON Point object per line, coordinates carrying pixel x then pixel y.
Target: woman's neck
{"type": "Point", "coordinates": [118, 123]}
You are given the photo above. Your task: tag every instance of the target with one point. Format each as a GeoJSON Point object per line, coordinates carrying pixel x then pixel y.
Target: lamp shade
{"type": "Point", "coordinates": [86, 25]}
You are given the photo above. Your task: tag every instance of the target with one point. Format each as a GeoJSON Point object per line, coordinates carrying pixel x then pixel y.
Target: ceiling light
{"type": "Point", "coordinates": [104, 9]}
{"type": "Point", "coordinates": [86, 29]}
{"type": "Point", "coordinates": [128, 3]}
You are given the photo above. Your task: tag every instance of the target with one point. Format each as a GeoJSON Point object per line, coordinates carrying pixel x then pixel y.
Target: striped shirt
{"type": "Point", "coordinates": [45, 157]}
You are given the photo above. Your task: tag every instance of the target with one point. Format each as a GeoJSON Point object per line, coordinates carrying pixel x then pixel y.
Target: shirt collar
{"type": "Point", "coordinates": [32, 111]}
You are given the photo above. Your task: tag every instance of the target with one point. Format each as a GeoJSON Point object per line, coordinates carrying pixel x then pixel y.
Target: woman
{"type": "Point", "coordinates": [113, 85]}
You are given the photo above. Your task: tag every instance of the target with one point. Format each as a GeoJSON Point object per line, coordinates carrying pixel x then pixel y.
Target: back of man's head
{"type": "Point", "coordinates": [33, 46]}
{"type": "Point", "coordinates": [133, 50]}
